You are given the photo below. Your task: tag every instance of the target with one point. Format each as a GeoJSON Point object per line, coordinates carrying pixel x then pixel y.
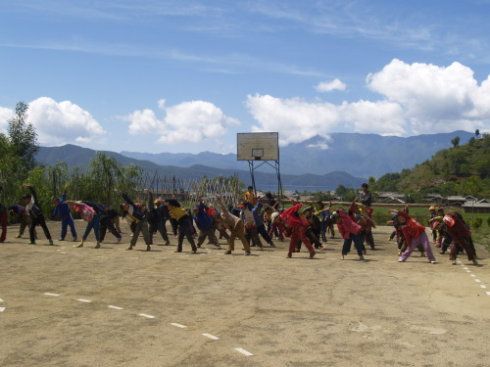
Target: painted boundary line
{"type": "Point", "coordinates": [145, 315]}
{"type": "Point", "coordinates": [240, 350]}
{"type": "Point", "coordinates": [244, 352]}
{"type": "Point", "coordinates": [180, 326]}
{"type": "Point", "coordinates": [473, 276]}
{"type": "Point", "coordinates": [210, 336]}
{"type": "Point", "coordinates": [112, 307]}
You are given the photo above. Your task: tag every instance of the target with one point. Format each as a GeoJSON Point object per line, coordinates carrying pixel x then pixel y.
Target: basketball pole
{"type": "Point", "coordinates": [251, 167]}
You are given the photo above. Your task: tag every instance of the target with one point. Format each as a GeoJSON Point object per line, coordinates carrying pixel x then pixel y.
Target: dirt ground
{"type": "Point", "coordinates": [65, 306]}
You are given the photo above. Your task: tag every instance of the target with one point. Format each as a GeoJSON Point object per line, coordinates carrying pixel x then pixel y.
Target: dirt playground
{"type": "Point", "coordinates": [64, 306]}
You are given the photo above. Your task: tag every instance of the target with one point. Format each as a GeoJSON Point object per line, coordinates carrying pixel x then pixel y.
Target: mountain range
{"type": "Point", "coordinates": [361, 155]}
{"type": "Point", "coordinates": [316, 164]}
{"type": "Point", "coordinates": [75, 156]}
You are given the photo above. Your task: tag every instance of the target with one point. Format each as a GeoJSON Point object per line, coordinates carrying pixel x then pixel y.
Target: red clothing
{"type": "Point", "coordinates": [411, 229]}
{"type": "Point", "coordinates": [290, 217]}
{"type": "Point", "coordinates": [347, 226]}
{"type": "Point", "coordinates": [459, 230]}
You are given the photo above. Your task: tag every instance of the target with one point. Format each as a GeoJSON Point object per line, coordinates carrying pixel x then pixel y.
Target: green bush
{"type": "Point", "coordinates": [477, 223]}
{"type": "Point", "coordinates": [488, 221]}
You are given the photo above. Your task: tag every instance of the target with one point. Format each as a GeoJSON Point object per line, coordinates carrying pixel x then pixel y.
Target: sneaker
{"type": "Point", "coordinates": [61, 239]}
{"type": "Point", "coordinates": [312, 255]}
{"type": "Point", "coordinates": [401, 260]}
{"type": "Point", "coordinates": [194, 251]}
{"type": "Point", "coordinates": [97, 245]}
{"type": "Point", "coordinates": [79, 245]}
{"type": "Point", "coordinates": [51, 243]}
{"type": "Point", "coordinates": [118, 240]}
{"type": "Point", "coordinates": [18, 236]}
{"type": "Point", "coordinates": [32, 243]}
{"type": "Point", "coordinates": [475, 262]}
{"type": "Point", "coordinates": [74, 239]}
{"type": "Point", "coordinates": [455, 262]}
{"type": "Point", "coordinates": [148, 248]}
{"type": "Point", "coordinates": [432, 261]}
{"type": "Point", "coordinates": [247, 253]}
{"type": "Point", "coordinates": [361, 258]}
{"type": "Point", "coordinates": [129, 248]}
{"type": "Point", "coordinates": [167, 243]}
{"type": "Point", "coordinates": [290, 255]}
{"type": "Point", "coordinates": [228, 252]}
{"type": "Point", "coordinates": [272, 245]}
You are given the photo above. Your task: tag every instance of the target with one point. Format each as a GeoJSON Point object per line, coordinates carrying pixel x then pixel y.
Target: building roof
{"type": "Point", "coordinates": [476, 204]}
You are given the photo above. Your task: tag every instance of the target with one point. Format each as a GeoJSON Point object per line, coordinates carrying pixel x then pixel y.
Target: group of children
{"type": "Point", "coordinates": [449, 230]}
{"type": "Point", "coordinates": [254, 220]}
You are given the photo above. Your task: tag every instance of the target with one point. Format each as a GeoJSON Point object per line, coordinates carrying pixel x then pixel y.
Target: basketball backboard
{"type": "Point", "coordinates": [258, 146]}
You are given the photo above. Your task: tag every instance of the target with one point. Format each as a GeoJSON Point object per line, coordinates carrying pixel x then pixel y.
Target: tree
{"type": "Point", "coordinates": [23, 136]}
{"type": "Point", "coordinates": [477, 133]}
{"type": "Point", "coordinates": [455, 141]}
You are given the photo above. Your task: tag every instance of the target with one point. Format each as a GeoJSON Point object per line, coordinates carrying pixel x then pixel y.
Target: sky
{"type": "Point", "coordinates": [186, 76]}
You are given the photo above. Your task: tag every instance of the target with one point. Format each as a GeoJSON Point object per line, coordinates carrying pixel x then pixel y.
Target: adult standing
{"type": "Point", "coordinates": [37, 216]}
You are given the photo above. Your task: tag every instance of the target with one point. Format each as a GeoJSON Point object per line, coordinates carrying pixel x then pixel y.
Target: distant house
{"type": "Point", "coordinates": [390, 197]}
{"type": "Point", "coordinates": [434, 198]}
{"type": "Point", "coordinates": [476, 206]}
{"type": "Point", "coordinates": [457, 200]}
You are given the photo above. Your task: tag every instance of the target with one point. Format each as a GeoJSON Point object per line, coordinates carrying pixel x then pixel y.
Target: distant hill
{"type": "Point", "coordinates": [460, 170]}
{"type": "Point", "coordinates": [75, 156]}
{"type": "Point", "coordinates": [361, 155]}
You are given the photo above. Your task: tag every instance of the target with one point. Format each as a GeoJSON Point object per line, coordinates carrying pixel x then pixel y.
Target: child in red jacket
{"type": "Point", "coordinates": [296, 225]}
{"type": "Point", "coordinates": [461, 236]}
{"type": "Point", "coordinates": [414, 234]}
{"type": "Point", "coordinates": [350, 232]}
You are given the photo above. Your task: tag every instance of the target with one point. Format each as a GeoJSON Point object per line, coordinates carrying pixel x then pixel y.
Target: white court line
{"type": "Point", "coordinates": [468, 271]}
{"type": "Point", "coordinates": [488, 293]}
{"type": "Point", "coordinates": [146, 315]}
{"type": "Point", "coordinates": [483, 286]}
{"type": "Point", "coordinates": [51, 294]}
{"type": "Point", "coordinates": [112, 307]}
{"type": "Point", "coordinates": [2, 309]}
{"type": "Point", "coordinates": [210, 336]}
{"type": "Point", "coordinates": [244, 352]}
{"type": "Point", "coordinates": [180, 326]}
{"type": "Point", "coordinates": [478, 280]}
{"type": "Point", "coordinates": [472, 275]}
{"type": "Point", "coordinates": [465, 268]}
{"type": "Point", "coordinates": [84, 300]}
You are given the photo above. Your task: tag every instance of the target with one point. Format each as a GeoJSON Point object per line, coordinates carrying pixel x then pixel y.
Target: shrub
{"type": "Point", "coordinates": [477, 223]}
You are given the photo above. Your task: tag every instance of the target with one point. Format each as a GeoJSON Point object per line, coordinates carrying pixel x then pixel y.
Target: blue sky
{"type": "Point", "coordinates": [185, 76]}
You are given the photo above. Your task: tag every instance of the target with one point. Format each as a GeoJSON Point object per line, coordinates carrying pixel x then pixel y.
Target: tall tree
{"type": "Point", "coordinates": [23, 136]}
{"type": "Point", "coordinates": [455, 141]}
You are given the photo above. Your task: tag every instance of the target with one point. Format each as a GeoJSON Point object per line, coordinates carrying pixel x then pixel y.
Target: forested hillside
{"type": "Point", "coordinates": [460, 170]}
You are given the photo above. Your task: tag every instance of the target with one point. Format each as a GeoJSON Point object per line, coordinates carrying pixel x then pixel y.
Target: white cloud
{"type": "Point", "coordinates": [319, 145]}
{"type": "Point", "coordinates": [5, 115]}
{"type": "Point", "coordinates": [434, 98]}
{"type": "Point", "coordinates": [295, 119]}
{"type": "Point", "coordinates": [331, 85]}
{"type": "Point", "coordinates": [58, 122]}
{"type": "Point", "coordinates": [144, 122]}
{"type": "Point", "coordinates": [191, 121]}
{"type": "Point", "coordinates": [415, 99]}
{"type": "Point", "coordinates": [62, 122]}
